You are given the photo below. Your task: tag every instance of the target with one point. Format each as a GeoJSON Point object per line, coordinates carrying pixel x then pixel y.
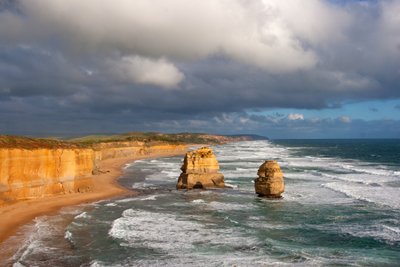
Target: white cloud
{"type": "Point", "coordinates": [315, 21]}
{"type": "Point", "coordinates": [265, 34]}
{"type": "Point", "coordinates": [315, 120]}
{"type": "Point", "coordinates": [345, 119]}
{"type": "Point", "coordinates": [142, 70]}
{"type": "Point", "coordinates": [337, 48]}
{"type": "Point", "coordinates": [349, 81]}
{"type": "Point", "coordinates": [295, 116]}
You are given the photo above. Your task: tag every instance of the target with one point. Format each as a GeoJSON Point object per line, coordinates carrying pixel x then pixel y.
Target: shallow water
{"type": "Point", "coordinates": [336, 211]}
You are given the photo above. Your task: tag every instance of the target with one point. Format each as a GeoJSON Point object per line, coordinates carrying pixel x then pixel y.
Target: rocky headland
{"type": "Point", "coordinates": [35, 168]}
{"type": "Point", "coordinates": [40, 176]}
{"type": "Point", "coordinates": [29, 173]}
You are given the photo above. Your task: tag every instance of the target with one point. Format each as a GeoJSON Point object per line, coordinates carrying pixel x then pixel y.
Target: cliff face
{"type": "Point", "coordinates": [35, 173]}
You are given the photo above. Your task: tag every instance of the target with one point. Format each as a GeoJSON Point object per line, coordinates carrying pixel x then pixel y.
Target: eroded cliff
{"type": "Point", "coordinates": [28, 172]}
{"type": "Point", "coordinates": [36, 173]}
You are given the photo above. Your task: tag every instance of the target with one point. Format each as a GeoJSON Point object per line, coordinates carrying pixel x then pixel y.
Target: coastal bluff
{"type": "Point", "coordinates": [270, 182]}
{"type": "Point", "coordinates": [200, 170]}
{"type": "Point", "coordinates": [36, 170]}
{"type": "Point", "coordinates": [32, 168]}
{"type": "Point", "coordinates": [26, 174]}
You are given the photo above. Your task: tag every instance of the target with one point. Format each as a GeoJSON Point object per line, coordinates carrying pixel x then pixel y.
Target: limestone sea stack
{"type": "Point", "coordinates": [270, 180]}
{"type": "Point", "coordinates": [200, 170]}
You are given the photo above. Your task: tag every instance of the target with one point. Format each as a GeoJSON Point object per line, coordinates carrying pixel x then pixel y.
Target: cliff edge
{"type": "Point", "coordinates": [36, 168]}
{"type": "Point", "coordinates": [33, 168]}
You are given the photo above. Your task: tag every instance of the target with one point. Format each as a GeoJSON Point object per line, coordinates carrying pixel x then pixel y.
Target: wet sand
{"type": "Point", "coordinates": [15, 215]}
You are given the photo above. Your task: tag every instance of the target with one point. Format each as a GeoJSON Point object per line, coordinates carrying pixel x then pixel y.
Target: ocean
{"type": "Point", "coordinates": [341, 207]}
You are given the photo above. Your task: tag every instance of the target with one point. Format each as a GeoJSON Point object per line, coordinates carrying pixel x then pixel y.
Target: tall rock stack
{"type": "Point", "coordinates": [200, 170]}
{"type": "Point", "coordinates": [270, 180]}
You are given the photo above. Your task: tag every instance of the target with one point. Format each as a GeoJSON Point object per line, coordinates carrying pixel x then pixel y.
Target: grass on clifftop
{"type": "Point", "coordinates": [8, 141]}
{"type": "Point", "coordinates": [193, 138]}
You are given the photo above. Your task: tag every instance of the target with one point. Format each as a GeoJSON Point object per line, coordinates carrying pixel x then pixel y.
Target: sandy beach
{"type": "Point", "coordinates": [106, 186]}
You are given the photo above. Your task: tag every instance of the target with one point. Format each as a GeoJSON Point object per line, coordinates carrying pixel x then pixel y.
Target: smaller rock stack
{"type": "Point", "coordinates": [200, 170]}
{"type": "Point", "coordinates": [270, 180]}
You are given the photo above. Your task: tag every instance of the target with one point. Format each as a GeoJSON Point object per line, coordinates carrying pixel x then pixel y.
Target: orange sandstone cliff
{"type": "Point", "coordinates": [28, 172]}
{"type": "Point", "coordinates": [35, 173]}
{"type": "Point", "coordinates": [34, 168]}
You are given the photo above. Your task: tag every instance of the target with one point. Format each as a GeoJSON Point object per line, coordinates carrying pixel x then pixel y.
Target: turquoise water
{"type": "Point", "coordinates": [341, 208]}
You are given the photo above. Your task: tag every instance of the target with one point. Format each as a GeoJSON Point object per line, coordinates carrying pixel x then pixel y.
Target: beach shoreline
{"type": "Point", "coordinates": [106, 186]}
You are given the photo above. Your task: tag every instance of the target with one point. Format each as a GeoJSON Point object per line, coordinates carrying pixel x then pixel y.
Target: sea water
{"type": "Point", "coordinates": [341, 207]}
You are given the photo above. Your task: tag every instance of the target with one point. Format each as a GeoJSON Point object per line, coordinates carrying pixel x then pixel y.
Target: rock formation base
{"type": "Point", "coordinates": [200, 181]}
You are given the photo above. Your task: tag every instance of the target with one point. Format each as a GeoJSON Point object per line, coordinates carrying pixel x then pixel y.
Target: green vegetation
{"type": "Point", "coordinates": [151, 137]}
{"type": "Point", "coordinates": [7, 141]}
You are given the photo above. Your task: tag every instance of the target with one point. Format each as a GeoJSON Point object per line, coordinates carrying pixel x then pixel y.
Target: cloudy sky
{"type": "Point", "coordinates": [280, 68]}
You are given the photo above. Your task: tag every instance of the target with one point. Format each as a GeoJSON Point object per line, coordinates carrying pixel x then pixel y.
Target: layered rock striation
{"type": "Point", "coordinates": [200, 169]}
{"type": "Point", "coordinates": [270, 180]}
{"type": "Point", "coordinates": [35, 172]}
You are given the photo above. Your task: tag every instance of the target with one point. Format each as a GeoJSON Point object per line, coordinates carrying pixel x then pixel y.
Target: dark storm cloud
{"type": "Point", "coordinates": [61, 123]}
{"type": "Point", "coordinates": [89, 65]}
{"type": "Point", "coordinates": [28, 71]}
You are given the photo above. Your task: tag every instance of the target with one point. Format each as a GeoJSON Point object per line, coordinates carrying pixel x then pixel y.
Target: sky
{"type": "Point", "coordinates": [278, 68]}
